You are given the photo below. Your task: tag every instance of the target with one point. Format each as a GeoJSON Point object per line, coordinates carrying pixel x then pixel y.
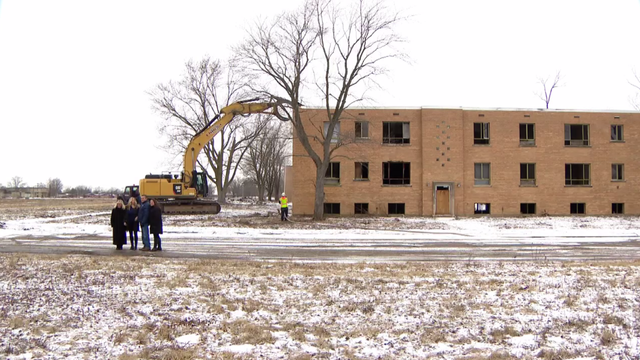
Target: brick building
{"type": "Point", "coordinates": [431, 162]}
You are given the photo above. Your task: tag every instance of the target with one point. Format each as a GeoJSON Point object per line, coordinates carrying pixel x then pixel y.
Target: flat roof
{"type": "Point", "coordinates": [479, 109]}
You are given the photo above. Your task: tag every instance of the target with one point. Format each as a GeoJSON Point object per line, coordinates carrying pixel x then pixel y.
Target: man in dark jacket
{"type": "Point", "coordinates": [143, 219]}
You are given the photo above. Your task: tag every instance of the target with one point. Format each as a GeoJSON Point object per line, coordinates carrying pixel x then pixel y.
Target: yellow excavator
{"type": "Point", "coordinates": [186, 193]}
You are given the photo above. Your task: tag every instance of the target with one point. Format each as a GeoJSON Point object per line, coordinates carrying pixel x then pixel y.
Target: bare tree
{"type": "Point", "coordinates": [635, 98]}
{"type": "Point", "coordinates": [351, 44]}
{"type": "Point", "coordinates": [548, 87]}
{"type": "Point", "coordinates": [54, 186]}
{"type": "Point", "coordinates": [265, 158]}
{"type": "Point", "coordinates": [16, 182]}
{"type": "Point", "coordinates": [190, 103]}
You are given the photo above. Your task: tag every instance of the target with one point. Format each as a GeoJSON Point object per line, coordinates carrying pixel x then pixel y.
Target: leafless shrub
{"type": "Point", "coordinates": [433, 335]}
{"type": "Point", "coordinates": [18, 322]}
{"type": "Point", "coordinates": [608, 338]}
{"type": "Point", "coordinates": [179, 354]}
{"type": "Point", "coordinates": [245, 332]}
{"type": "Point", "coordinates": [553, 354]}
{"type": "Point", "coordinates": [499, 335]}
{"type": "Point", "coordinates": [610, 319]}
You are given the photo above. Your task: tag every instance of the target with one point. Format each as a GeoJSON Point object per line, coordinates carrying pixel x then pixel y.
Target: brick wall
{"type": "Point", "coordinates": [442, 156]}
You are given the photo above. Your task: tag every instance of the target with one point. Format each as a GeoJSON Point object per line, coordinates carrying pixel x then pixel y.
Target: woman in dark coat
{"type": "Point", "coordinates": [155, 224]}
{"type": "Point", "coordinates": [118, 216]}
{"type": "Point", "coordinates": [133, 226]}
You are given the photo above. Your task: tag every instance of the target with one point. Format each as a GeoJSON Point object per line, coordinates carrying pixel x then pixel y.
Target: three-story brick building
{"type": "Point", "coordinates": [431, 162]}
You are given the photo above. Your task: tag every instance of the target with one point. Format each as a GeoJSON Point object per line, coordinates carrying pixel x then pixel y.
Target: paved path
{"type": "Point", "coordinates": [266, 248]}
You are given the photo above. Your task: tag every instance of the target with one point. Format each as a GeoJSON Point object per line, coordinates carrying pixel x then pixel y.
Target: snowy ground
{"type": "Point", "coordinates": [83, 307]}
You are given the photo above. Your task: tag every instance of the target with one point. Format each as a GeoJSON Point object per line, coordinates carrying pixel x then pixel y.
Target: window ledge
{"type": "Point", "coordinates": [362, 139]}
{"type": "Point", "coordinates": [577, 146]}
{"type": "Point", "coordinates": [361, 180]}
{"type": "Point", "coordinates": [578, 186]}
{"type": "Point", "coordinates": [387, 144]}
{"type": "Point", "coordinates": [485, 145]}
{"type": "Point", "coordinates": [487, 186]}
{"type": "Point", "coordinates": [332, 184]}
{"type": "Point", "coordinates": [528, 146]}
{"type": "Point", "coordinates": [396, 185]}
{"type": "Point", "coordinates": [618, 181]}
{"type": "Point", "coordinates": [527, 186]}
{"type": "Point", "coordinates": [617, 141]}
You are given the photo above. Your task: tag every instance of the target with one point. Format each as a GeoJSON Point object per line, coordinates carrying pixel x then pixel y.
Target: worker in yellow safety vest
{"type": "Point", "coordinates": [284, 208]}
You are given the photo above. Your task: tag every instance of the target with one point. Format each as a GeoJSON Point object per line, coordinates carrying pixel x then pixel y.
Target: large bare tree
{"type": "Point", "coordinates": [329, 49]}
{"type": "Point", "coordinates": [16, 182]}
{"type": "Point", "coordinates": [188, 104]}
{"type": "Point", "coordinates": [265, 160]}
{"type": "Point", "coordinates": [635, 98]}
{"type": "Point", "coordinates": [54, 186]}
{"type": "Point", "coordinates": [548, 86]}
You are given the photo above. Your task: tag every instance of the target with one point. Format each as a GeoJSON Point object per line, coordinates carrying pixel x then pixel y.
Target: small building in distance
{"type": "Point", "coordinates": [24, 192]}
{"type": "Point", "coordinates": [465, 162]}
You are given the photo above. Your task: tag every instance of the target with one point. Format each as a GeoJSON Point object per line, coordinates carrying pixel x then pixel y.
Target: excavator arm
{"type": "Point", "coordinates": [204, 136]}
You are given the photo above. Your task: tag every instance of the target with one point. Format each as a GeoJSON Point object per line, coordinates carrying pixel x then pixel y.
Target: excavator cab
{"type": "Point", "coordinates": [199, 181]}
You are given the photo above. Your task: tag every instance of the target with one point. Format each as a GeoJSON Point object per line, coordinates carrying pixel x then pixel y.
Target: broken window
{"type": "Point", "coordinates": [362, 171]}
{"type": "Point", "coordinates": [396, 209]}
{"type": "Point", "coordinates": [362, 129]}
{"type": "Point", "coordinates": [527, 135]}
{"type": "Point", "coordinates": [482, 173]}
{"type": "Point", "coordinates": [576, 135]}
{"type": "Point", "coordinates": [480, 133]}
{"type": "Point", "coordinates": [332, 176]}
{"type": "Point", "coordinates": [361, 208]}
{"type": "Point", "coordinates": [396, 173]}
{"type": "Point", "coordinates": [578, 208]}
{"type": "Point", "coordinates": [616, 133]}
{"type": "Point", "coordinates": [527, 208]}
{"type": "Point", "coordinates": [527, 174]}
{"type": "Point", "coordinates": [332, 208]}
{"type": "Point", "coordinates": [395, 132]}
{"type": "Point", "coordinates": [482, 208]}
{"type": "Point", "coordinates": [336, 131]}
{"type": "Point", "coordinates": [577, 174]}
{"type": "Point", "coordinates": [617, 172]}
{"type": "Point", "coordinates": [617, 208]}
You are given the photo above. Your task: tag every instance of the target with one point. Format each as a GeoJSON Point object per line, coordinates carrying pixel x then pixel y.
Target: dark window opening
{"type": "Point", "coordinates": [527, 208]}
{"type": "Point", "coordinates": [616, 133]}
{"type": "Point", "coordinates": [482, 173]}
{"type": "Point", "coordinates": [577, 174]}
{"type": "Point", "coordinates": [527, 174]}
{"type": "Point", "coordinates": [617, 172]}
{"type": "Point", "coordinates": [396, 173]}
{"type": "Point", "coordinates": [576, 135]}
{"type": "Point", "coordinates": [336, 131]}
{"type": "Point", "coordinates": [617, 208]}
{"type": "Point", "coordinates": [481, 133]}
{"type": "Point", "coordinates": [395, 133]}
{"type": "Point", "coordinates": [332, 208]}
{"type": "Point", "coordinates": [527, 135]}
{"type": "Point", "coordinates": [332, 176]}
{"type": "Point", "coordinates": [577, 208]}
{"type": "Point", "coordinates": [396, 209]}
{"type": "Point", "coordinates": [362, 129]}
{"type": "Point", "coordinates": [482, 208]}
{"type": "Point", "coordinates": [361, 208]}
{"type": "Point", "coordinates": [362, 171]}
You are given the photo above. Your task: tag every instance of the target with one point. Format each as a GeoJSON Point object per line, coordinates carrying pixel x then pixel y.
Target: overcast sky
{"type": "Point", "coordinates": [75, 75]}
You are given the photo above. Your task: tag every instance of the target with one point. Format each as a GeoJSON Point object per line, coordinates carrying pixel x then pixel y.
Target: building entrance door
{"type": "Point", "coordinates": [442, 200]}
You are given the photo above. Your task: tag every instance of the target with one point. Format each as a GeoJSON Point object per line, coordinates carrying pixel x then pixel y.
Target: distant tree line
{"type": "Point", "coordinates": [55, 188]}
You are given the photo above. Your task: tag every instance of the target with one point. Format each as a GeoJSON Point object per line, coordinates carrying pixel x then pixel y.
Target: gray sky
{"type": "Point", "coordinates": [74, 75]}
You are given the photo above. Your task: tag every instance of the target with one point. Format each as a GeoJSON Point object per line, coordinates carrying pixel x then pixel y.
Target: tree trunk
{"type": "Point", "coordinates": [318, 205]}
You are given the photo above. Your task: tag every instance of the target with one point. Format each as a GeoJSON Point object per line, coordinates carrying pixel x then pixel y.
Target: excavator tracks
{"type": "Point", "coordinates": [189, 207]}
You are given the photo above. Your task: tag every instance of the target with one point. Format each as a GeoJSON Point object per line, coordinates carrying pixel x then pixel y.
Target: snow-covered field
{"type": "Point", "coordinates": [133, 307]}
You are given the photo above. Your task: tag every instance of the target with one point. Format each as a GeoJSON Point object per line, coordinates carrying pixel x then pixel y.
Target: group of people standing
{"type": "Point", "coordinates": [138, 215]}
